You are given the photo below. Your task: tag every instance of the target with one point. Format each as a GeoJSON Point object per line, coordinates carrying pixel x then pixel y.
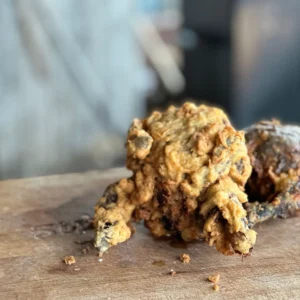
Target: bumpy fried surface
{"type": "Point", "coordinates": [189, 170]}
{"type": "Point", "coordinates": [274, 186]}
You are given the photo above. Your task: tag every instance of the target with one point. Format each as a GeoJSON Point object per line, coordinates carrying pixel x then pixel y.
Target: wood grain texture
{"type": "Point", "coordinates": [31, 252]}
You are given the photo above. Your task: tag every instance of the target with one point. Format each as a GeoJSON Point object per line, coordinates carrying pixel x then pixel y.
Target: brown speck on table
{"type": "Point", "coordinates": [70, 260]}
{"type": "Point", "coordinates": [214, 279]}
{"type": "Point", "coordinates": [172, 272]}
{"type": "Point", "coordinates": [86, 250]}
{"type": "Point", "coordinates": [185, 258]}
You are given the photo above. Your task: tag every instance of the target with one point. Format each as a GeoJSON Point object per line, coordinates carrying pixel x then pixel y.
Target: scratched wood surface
{"type": "Point", "coordinates": [31, 252]}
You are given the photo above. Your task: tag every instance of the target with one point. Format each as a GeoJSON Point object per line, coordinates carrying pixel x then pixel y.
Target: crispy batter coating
{"type": "Point", "coordinates": [274, 186]}
{"type": "Point", "coordinates": [69, 260]}
{"type": "Point", "coordinates": [216, 287]}
{"type": "Point", "coordinates": [185, 258]}
{"type": "Point", "coordinates": [214, 278]}
{"type": "Point", "coordinates": [189, 170]}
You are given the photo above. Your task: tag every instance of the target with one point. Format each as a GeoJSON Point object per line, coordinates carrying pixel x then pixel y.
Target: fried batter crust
{"type": "Point", "coordinates": [189, 170]}
{"type": "Point", "coordinates": [274, 185]}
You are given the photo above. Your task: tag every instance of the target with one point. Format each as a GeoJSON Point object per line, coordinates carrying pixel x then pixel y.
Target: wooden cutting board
{"type": "Point", "coordinates": [31, 252]}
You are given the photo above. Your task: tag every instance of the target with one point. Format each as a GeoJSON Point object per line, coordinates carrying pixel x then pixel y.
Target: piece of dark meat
{"type": "Point", "coordinates": [274, 186]}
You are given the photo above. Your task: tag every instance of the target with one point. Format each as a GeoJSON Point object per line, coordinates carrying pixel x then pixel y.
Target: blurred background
{"type": "Point", "coordinates": [75, 73]}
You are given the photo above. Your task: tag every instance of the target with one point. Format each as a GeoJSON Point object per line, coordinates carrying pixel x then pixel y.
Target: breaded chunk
{"type": "Point", "coordinates": [189, 169]}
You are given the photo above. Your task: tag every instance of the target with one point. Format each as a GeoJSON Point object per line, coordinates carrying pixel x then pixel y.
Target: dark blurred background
{"type": "Point", "coordinates": [75, 73]}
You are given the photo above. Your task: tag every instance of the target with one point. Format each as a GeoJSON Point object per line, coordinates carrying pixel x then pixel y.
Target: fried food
{"type": "Point", "coordinates": [216, 287]}
{"type": "Point", "coordinates": [214, 278]}
{"type": "Point", "coordinates": [172, 272]}
{"type": "Point", "coordinates": [274, 186]}
{"type": "Point", "coordinates": [185, 258]}
{"type": "Point", "coordinates": [189, 170]}
{"type": "Point", "coordinates": [69, 260]}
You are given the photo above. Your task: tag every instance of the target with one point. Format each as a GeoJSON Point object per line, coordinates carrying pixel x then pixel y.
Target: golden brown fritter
{"type": "Point", "coordinates": [185, 258]}
{"type": "Point", "coordinates": [274, 186]}
{"type": "Point", "coordinates": [69, 260]}
{"type": "Point", "coordinates": [189, 170]}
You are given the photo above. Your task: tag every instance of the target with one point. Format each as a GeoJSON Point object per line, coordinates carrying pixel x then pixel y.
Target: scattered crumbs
{"type": "Point", "coordinates": [216, 287]}
{"type": "Point", "coordinates": [185, 258]}
{"type": "Point", "coordinates": [77, 269]}
{"type": "Point", "coordinates": [172, 272]}
{"type": "Point", "coordinates": [86, 250]}
{"type": "Point", "coordinates": [214, 279]}
{"type": "Point", "coordinates": [70, 260]}
{"type": "Point", "coordinates": [100, 259]}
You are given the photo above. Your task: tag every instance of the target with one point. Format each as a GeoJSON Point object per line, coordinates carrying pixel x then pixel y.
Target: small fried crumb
{"type": "Point", "coordinates": [86, 250]}
{"type": "Point", "coordinates": [100, 254]}
{"type": "Point", "coordinates": [70, 260]}
{"type": "Point", "coordinates": [216, 287]}
{"type": "Point", "coordinates": [77, 269]}
{"type": "Point", "coordinates": [214, 279]}
{"type": "Point", "coordinates": [185, 258]}
{"type": "Point", "coordinates": [100, 259]}
{"type": "Point", "coordinates": [172, 272]}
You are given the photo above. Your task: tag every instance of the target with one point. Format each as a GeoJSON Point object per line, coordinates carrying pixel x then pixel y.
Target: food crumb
{"type": "Point", "coordinates": [216, 287]}
{"type": "Point", "coordinates": [100, 254]}
{"type": "Point", "coordinates": [185, 258]}
{"type": "Point", "coordinates": [70, 260]}
{"type": "Point", "coordinates": [214, 279]}
{"type": "Point", "coordinates": [172, 272]}
{"type": "Point", "coordinates": [86, 250]}
{"type": "Point", "coordinates": [100, 259]}
{"type": "Point", "coordinates": [77, 269]}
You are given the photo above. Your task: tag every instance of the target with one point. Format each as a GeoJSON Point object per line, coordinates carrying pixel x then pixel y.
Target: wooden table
{"type": "Point", "coordinates": [31, 252]}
